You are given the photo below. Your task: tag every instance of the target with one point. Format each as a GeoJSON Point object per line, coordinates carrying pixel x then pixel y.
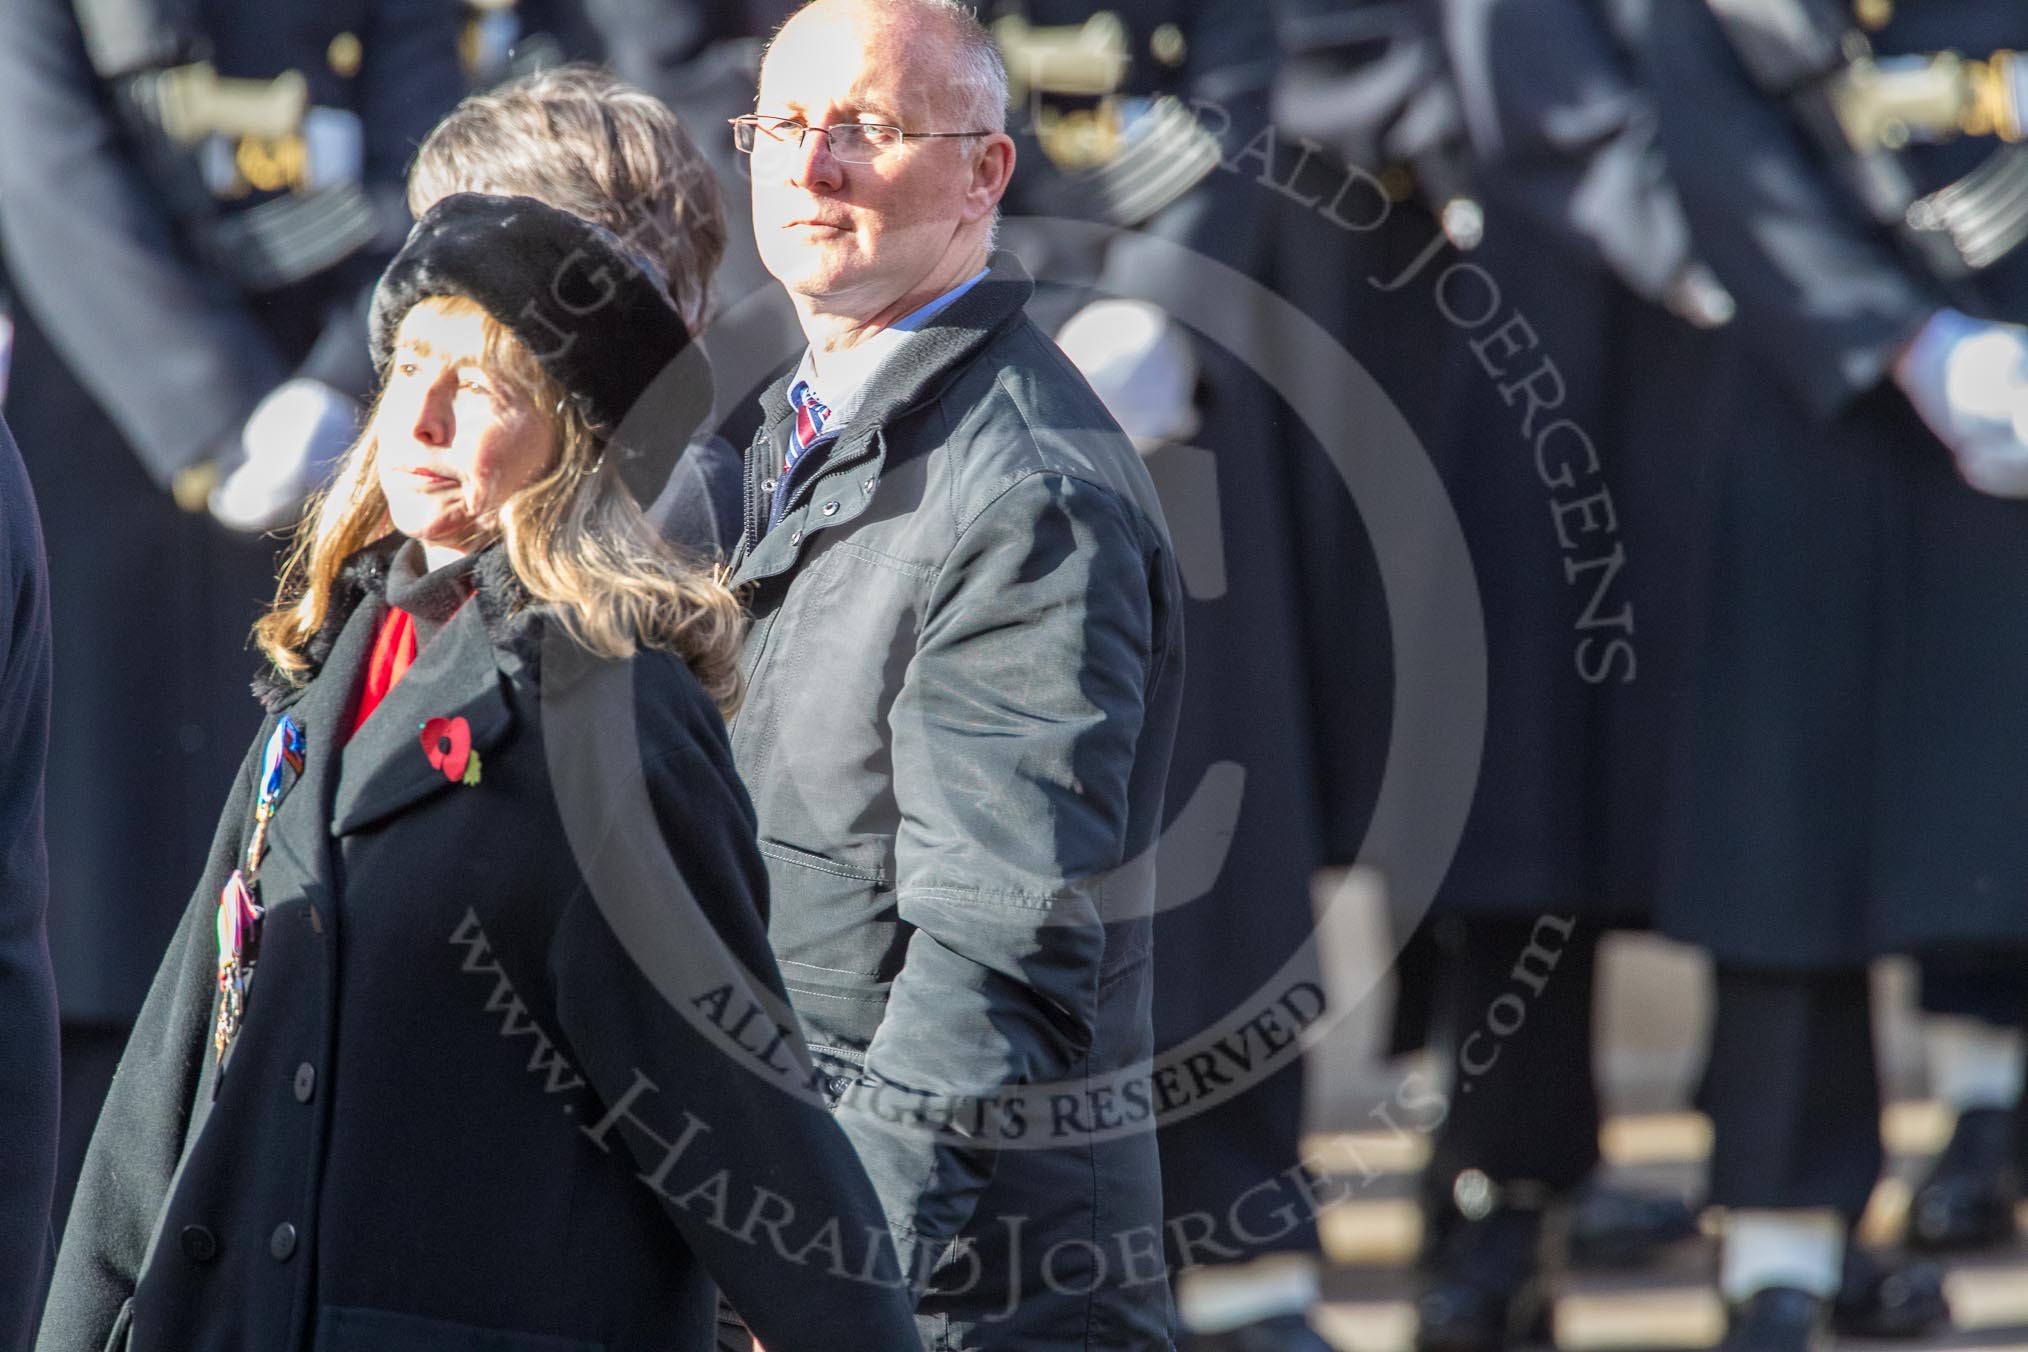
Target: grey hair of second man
{"type": "Point", "coordinates": [980, 77]}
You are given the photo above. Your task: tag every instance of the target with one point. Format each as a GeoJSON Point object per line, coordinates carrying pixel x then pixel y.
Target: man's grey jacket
{"type": "Point", "coordinates": [964, 673]}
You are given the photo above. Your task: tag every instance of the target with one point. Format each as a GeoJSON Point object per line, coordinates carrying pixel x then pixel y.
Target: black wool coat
{"type": "Point", "coordinates": [516, 1070]}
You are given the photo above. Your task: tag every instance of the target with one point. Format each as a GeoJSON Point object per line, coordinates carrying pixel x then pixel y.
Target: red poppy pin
{"type": "Point", "coordinates": [448, 744]}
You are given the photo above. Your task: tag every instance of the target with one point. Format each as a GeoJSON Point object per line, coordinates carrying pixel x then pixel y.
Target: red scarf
{"type": "Point", "coordinates": [393, 654]}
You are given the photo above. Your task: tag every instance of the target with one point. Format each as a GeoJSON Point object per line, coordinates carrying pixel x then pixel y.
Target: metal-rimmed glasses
{"type": "Point", "coordinates": [851, 142]}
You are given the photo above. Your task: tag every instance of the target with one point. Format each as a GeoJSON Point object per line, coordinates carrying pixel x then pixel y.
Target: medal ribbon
{"type": "Point", "coordinates": [239, 907]}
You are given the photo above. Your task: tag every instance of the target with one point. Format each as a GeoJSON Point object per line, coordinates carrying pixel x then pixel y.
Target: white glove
{"type": "Point", "coordinates": [287, 448]}
{"type": "Point", "coordinates": [1968, 378]}
{"type": "Point", "coordinates": [1141, 365]}
{"type": "Point", "coordinates": [1699, 298]}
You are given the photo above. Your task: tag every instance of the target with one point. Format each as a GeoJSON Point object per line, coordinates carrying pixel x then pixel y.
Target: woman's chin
{"type": "Point", "coordinates": [424, 521]}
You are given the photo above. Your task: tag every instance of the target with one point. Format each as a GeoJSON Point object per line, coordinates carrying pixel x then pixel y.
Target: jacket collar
{"type": "Point", "coordinates": [913, 376]}
{"type": "Point", "coordinates": [362, 575]}
{"type": "Point", "coordinates": [502, 603]}
{"type": "Point", "coordinates": [384, 768]}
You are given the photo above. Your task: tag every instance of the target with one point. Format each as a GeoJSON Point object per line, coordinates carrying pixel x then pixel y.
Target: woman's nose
{"type": "Point", "coordinates": [434, 421]}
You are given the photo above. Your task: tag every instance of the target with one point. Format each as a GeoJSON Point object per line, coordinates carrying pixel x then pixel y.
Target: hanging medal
{"type": "Point", "coordinates": [239, 907]}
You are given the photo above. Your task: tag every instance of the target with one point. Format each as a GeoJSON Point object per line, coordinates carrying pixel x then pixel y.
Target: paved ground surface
{"type": "Point", "coordinates": [1651, 1021]}
{"type": "Point", "coordinates": [1370, 1236]}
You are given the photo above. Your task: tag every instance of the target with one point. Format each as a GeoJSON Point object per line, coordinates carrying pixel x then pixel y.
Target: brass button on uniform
{"type": "Point", "coordinates": [199, 1245]}
{"type": "Point", "coordinates": [344, 54]}
{"type": "Point", "coordinates": [282, 1243]}
{"type": "Point", "coordinates": [306, 1082]}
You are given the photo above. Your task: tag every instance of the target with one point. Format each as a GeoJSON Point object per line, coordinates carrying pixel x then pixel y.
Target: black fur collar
{"type": "Point", "coordinates": [512, 624]}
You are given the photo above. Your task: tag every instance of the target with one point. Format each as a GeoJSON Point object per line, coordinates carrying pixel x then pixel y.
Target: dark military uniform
{"type": "Point", "coordinates": [145, 342]}
{"type": "Point", "coordinates": [1584, 432]}
{"type": "Point", "coordinates": [1367, 83]}
{"type": "Point", "coordinates": [501, 42]}
{"type": "Point", "coordinates": [28, 1056]}
{"type": "Point", "coordinates": [1235, 920]}
{"type": "Point", "coordinates": [1527, 356]}
{"type": "Point", "coordinates": [1853, 780]}
{"type": "Point", "coordinates": [1556, 396]}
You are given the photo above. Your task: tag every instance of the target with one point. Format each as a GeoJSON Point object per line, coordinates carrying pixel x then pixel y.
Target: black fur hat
{"type": "Point", "coordinates": [590, 312]}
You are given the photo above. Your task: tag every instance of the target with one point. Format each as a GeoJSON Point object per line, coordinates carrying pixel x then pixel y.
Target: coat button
{"type": "Point", "coordinates": [282, 1243]}
{"type": "Point", "coordinates": [199, 1244]}
{"type": "Point", "coordinates": [306, 1082]}
{"type": "Point", "coordinates": [796, 538]}
{"type": "Point", "coordinates": [831, 508]}
{"type": "Point", "coordinates": [767, 485]}
{"type": "Point", "coordinates": [839, 1084]}
{"type": "Point", "coordinates": [867, 487]}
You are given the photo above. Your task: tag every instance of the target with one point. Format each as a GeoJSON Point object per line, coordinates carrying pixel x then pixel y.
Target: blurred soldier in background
{"type": "Point", "coordinates": [1578, 366]}
{"type": "Point", "coordinates": [1854, 780]}
{"type": "Point", "coordinates": [1123, 115]}
{"type": "Point", "coordinates": [6, 328]}
{"type": "Point", "coordinates": [504, 40]}
{"type": "Point", "coordinates": [28, 1051]}
{"type": "Point", "coordinates": [1514, 251]}
{"type": "Point", "coordinates": [1975, 1005]}
{"type": "Point", "coordinates": [195, 208]}
{"type": "Point", "coordinates": [1515, 270]}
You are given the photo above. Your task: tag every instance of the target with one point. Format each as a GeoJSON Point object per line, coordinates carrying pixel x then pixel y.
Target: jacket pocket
{"type": "Point", "coordinates": [835, 930]}
{"type": "Point", "coordinates": [350, 1329]}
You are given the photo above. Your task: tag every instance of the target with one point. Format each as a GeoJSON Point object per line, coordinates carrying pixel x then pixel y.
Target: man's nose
{"type": "Point", "coordinates": [814, 165]}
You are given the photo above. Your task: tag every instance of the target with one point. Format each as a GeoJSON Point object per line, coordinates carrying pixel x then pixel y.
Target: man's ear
{"type": "Point", "coordinates": [992, 169]}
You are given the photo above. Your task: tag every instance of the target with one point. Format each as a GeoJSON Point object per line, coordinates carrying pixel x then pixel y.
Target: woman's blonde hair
{"type": "Point", "coordinates": [575, 538]}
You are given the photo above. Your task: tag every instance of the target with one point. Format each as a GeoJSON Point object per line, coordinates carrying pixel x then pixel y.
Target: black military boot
{"type": "Point", "coordinates": [1779, 1319]}
{"type": "Point", "coordinates": [1889, 1298]}
{"type": "Point", "coordinates": [1487, 1287]}
{"type": "Point", "coordinates": [1967, 1202]}
{"type": "Point", "coordinates": [1617, 1228]}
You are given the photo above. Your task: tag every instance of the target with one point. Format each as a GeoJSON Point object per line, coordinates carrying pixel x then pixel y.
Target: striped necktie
{"type": "Point", "coordinates": [808, 433]}
{"type": "Point", "coordinates": [811, 416]}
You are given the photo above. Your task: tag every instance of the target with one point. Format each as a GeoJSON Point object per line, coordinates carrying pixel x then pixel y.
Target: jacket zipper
{"type": "Point", "coordinates": [753, 459]}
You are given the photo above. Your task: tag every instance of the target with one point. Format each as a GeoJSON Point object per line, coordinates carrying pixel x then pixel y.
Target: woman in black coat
{"type": "Point", "coordinates": [470, 1037]}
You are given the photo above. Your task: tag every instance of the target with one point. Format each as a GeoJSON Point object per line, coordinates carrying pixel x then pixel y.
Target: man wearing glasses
{"type": "Point", "coordinates": [963, 675]}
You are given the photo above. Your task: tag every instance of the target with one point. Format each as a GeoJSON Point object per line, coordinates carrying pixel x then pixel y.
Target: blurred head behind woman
{"type": "Point", "coordinates": [580, 138]}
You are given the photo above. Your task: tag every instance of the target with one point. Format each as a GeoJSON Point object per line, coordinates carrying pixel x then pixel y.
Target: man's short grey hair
{"type": "Point", "coordinates": [978, 87]}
